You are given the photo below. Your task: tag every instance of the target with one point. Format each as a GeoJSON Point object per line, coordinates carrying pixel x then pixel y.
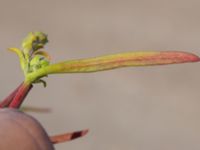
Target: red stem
{"type": "Point", "coordinates": [20, 95]}
{"type": "Point", "coordinates": [6, 101]}
{"type": "Point", "coordinates": [67, 136]}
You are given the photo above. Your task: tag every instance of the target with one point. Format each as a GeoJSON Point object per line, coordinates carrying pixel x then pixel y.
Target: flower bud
{"type": "Point", "coordinates": [34, 41]}
{"type": "Point", "coordinates": [38, 62]}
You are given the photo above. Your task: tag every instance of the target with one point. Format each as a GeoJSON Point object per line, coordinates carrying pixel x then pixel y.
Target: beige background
{"type": "Point", "coordinates": [153, 108]}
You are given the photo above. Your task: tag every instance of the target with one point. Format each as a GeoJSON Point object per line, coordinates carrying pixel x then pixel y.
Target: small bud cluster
{"type": "Point", "coordinates": [31, 45]}
{"type": "Point", "coordinates": [38, 62]}
{"type": "Point", "coordinates": [33, 42]}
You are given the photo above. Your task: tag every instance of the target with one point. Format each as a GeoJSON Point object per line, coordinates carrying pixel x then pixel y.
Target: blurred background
{"type": "Point", "coordinates": [154, 108]}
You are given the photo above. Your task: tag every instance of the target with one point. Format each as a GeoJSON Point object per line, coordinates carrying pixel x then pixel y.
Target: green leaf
{"type": "Point", "coordinates": [116, 61]}
{"type": "Point", "coordinates": [20, 54]}
{"type": "Point", "coordinates": [121, 60]}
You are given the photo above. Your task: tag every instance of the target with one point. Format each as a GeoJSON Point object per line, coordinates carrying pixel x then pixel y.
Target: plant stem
{"type": "Point", "coordinates": [20, 95]}
{"type": "Point", "coordinates": [67, 136]}
{"type": "Point", "coordinates": [6, 101]}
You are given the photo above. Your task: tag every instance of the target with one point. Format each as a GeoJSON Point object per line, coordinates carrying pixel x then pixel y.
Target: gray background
{"type": "Point", "coordinates": [154, 108]}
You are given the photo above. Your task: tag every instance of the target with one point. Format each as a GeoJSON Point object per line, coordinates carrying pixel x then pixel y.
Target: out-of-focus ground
{"type": "Point", "coordinates": [152, 108]}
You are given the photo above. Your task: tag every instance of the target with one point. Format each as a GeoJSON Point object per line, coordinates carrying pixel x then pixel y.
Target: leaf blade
{"type": "Point", "coordinates": [121, 60]}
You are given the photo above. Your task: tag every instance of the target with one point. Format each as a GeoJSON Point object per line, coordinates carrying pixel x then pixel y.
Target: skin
{"type": "Point", "coordinates": [20, 131]}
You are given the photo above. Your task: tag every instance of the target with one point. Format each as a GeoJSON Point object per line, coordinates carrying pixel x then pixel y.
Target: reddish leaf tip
{"type": "Point", "coordinates": [183, 56]}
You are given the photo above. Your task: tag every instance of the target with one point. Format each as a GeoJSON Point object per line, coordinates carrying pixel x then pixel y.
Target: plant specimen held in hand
{"type": "Point", "coordinates": [35, 64]}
